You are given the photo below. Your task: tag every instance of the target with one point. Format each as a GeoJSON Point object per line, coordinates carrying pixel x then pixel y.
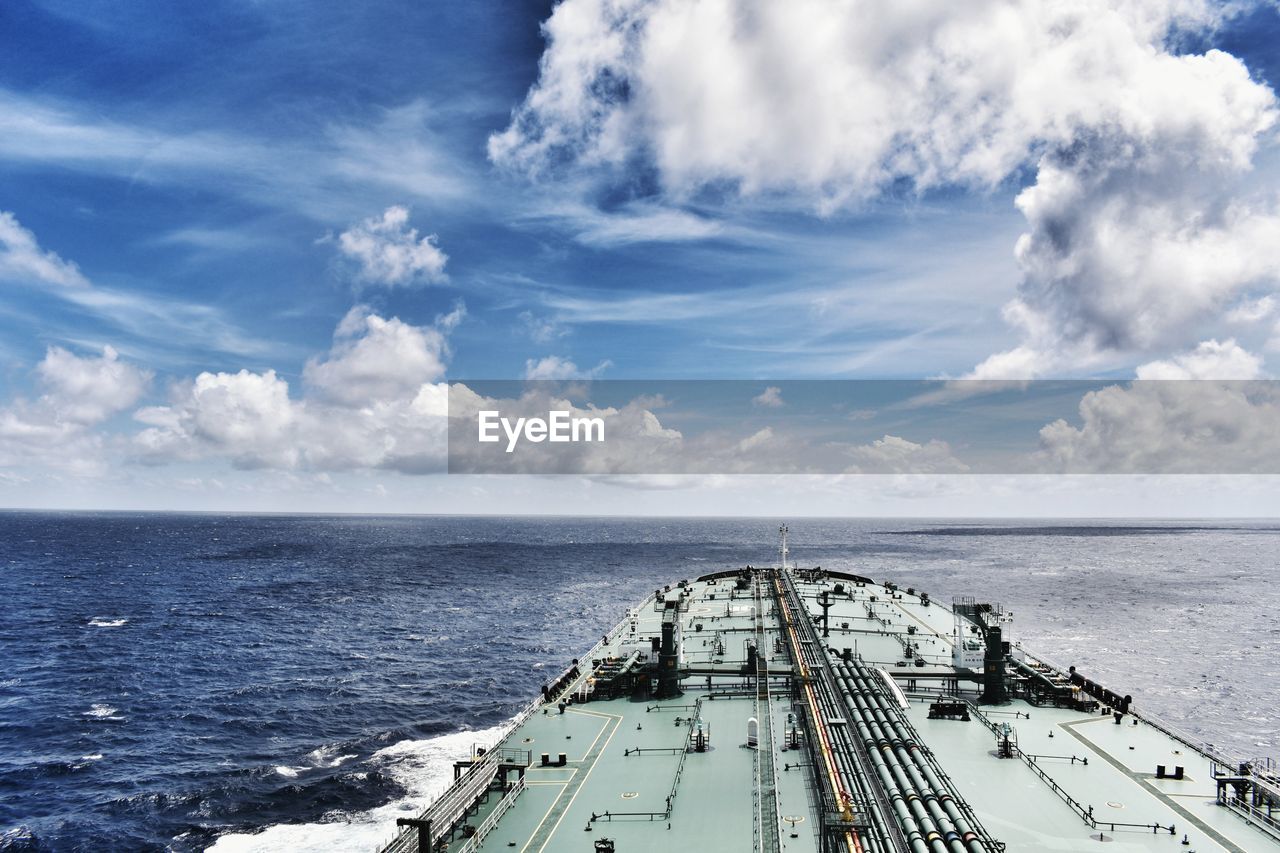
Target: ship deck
{"type": "Point", "coordinates": [632, 773]}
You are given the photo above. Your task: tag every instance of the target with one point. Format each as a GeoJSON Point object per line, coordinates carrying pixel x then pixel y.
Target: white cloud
{"type": "Point", "coordinates": [158, 319]}
{"type": "Point", "coordinates": [330, 174]}
{"type": "Point", "coordinates": [388, 252]}
{"type": "Point", "coordinates": [373, 402]}
{"type": "Point", "coordinates": [1209, 360]}
{"type": "Point", "coordinates": [541, 329]}
{"type": "Point", "coordinates": [245, 416]}
{"type": "Point", "coordinates": [1169, 427]}
{"type": "Point", "coordinates": [22, 259]}
{"type": "Point", "coordinates": [896, 455]}
{"type": "Point", "coordinates": [644, 224]}
{"type": "Point", "coordinates": [87, 390]}
{"type": "Point", "coordinates": [833, 100]}
{"type": "Point", "coordinates": [769, 398]}
{"type": "Point", "coordinates": [79, 392]}
{"type": "Point", "coordinates": [374, 358]}
{"type": "Point", "coordinates": [1252, 310]}
{"type": "Point", "coordinates": [555, 367]}
{"type": "Point", "coordinates": [1134, 254]}
{"type": "Point", "coordinates": [1141, 226]}
{"type": "Point", "coordinates": [755, 440]}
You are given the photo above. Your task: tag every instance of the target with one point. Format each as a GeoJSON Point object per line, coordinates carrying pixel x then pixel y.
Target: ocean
{"type": "Point", "coordinates": [256, 683]}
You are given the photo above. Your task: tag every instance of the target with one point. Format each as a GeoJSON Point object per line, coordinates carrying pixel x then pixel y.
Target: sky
{"type": "Point", "coordinates": [244, 246]}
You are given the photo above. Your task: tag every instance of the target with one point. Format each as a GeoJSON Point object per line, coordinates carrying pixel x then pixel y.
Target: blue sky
{"type": "Point", "coordinates": [192, 177]}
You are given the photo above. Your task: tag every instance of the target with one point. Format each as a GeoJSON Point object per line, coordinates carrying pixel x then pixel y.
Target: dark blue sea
{"type": "Point", "coordinates": [295, 683]}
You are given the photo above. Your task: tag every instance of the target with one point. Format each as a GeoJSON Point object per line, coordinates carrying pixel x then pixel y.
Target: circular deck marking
{"type": "Point", "coordinates": [793, 819]}
{"type": "Point", "coordinates": [630, 795]}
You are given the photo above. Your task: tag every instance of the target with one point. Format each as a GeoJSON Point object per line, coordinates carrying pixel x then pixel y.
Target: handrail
{"type": "Point", "coordinates": [452, 805]}
{"type": "Point", "coordinates": [1200, 745]}
{"type": "Point", "coordinates": [675, 782]}
{"type": "Point", "coordinates": [406, 840]}
{"type": "Point", "coordinates": [486, 826]}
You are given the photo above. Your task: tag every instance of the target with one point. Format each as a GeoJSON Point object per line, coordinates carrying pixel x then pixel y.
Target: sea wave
{"type": "Point", "coordinates": [423, 768]}
{"type": "Point", "coordinates": [329, 756]}
{"type": "Point", "coordinates": [103, 711]}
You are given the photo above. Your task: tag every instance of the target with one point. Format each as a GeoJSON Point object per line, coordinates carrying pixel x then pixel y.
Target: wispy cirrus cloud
{"type": "Point", "coordinates": [158, 319]}
{"type": "Point", "coordinates": [23, 261]}
{"type": "Point", "coordinates": [329, 175]}
{"type": "Point", "coordinates": [556, 367]}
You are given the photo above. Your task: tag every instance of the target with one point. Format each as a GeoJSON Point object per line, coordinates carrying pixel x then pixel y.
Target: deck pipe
{"type": "Point", "coordinates": [921, 827]}
{"type": "Point", "coordinates": [1060, 691]}
{"type": "Point", "coordinates": [906, 820]}
{"type": "Point", "coordinates": [842, 751]}
{"type": "Point", "coordinates": [849, 769]}
{"type": "Point", "coordinates": [920, 778]}
{"type": "Point", "coordinates": [924, 764]}
{"type": "Point", "coordinates": [939, 801]}
{"type": "Point", "coordinates": [940, 833]}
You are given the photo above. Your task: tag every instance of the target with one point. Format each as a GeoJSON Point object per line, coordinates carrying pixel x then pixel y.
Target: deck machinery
{"type": "Point", "coordinates": [786, 709]}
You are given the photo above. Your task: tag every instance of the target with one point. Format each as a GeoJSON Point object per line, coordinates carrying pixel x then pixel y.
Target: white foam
{"type": "Point", "coordinates": [289, 772]}
{"type": "Point", "coordinates": [105, 622]}
{"type": "Point", "coordinates": [102, 711]}
{"type": "Point", "coordinates": [326, 756]}
{"type": "Point", "coordinates": [423, 767]}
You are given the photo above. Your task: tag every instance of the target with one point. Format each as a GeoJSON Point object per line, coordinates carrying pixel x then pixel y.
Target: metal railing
{"type": "Point", "coordinates": [1200, 745]}
{"type": "Point", "coordinates": [675, 782]}
{"type": "Point", "coordinates": [462, 796]}
{"type": "Point", "coordinates": [406, 841]}
{"type": "Point", "coordinates": [1085, 812]}
{"type": "Point", "coordinates": [486, 826]}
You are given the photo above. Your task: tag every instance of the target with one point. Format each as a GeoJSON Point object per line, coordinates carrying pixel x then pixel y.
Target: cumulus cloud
{"type": "Point", "coordinates": [245, 416]}
{"type": "Point", "coordinates": [372, 402]}
{"type": "Point", "coordinates": [835, 100]}
{"type": "Point", "coordinates": [1209, 360]}
{"type": "Point", "coordinates": [375, 358]}
{"type": "Point", "coordinates": [1169, 427]}
{"type": "Point", "coordinates": [87, 390]}
{"type": "Point", "coordinates": [388, 252]}
{"type": "Point", "coordinates": [22, 259]}
{"type": "Point", "coordinates": [896, 455]}
{"type": "Point", "coordinates": [1132, 255]}
{"type": "Point", "coordinates": [555, 367]}
{"type": "Point", "coordinates": [755, 440]}
{"type": "Point", "coordinates": [79, 392]}
{"type": "Point", "coordinates": [769, 398]}
{"type": "Point", "coordinates": [1140, 221]}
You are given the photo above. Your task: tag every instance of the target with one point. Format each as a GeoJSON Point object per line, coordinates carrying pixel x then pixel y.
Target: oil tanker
{"type": "Point", "coordinates": [795, 709]}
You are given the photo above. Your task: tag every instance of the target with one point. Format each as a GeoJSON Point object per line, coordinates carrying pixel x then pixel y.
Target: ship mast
{"type": "Point", "coordinates": [783, 547]}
